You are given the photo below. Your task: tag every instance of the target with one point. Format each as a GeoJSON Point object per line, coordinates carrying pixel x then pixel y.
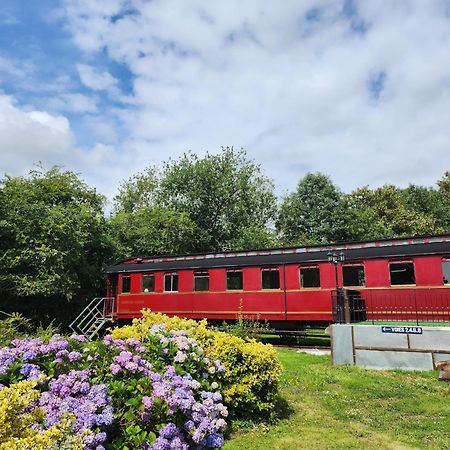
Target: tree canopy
{"type": "Point", "coordinates": [53, 237]}
{"type": "Point", "coordinates": [315, 212]}
{"type": "Point", "coordinates": [222, 201]}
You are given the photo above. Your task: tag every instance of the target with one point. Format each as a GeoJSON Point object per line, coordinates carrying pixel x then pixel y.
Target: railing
{"type": "Point", "coordinates": [99, 311]}
{"type": "Point", "coordinates": [395, 305]}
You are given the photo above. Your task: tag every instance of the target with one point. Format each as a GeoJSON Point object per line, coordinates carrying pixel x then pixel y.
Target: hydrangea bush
{"type": "Point", "coordinates": [22, 422]}
{"type": "Point", "coordinates": [156, 392]}
{"type": "Point", "coordinates": [249, 381]}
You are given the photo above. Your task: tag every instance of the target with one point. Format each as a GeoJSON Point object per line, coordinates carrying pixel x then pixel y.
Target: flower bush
{"type": "Point", "coordinates": [249, 381]}
{"type": "Point", "coordinates": [21, 422]}
{"type": "Point", "coordinates": [149, 393]}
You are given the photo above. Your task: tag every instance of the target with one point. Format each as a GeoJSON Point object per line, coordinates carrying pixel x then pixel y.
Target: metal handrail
{"type": "Point", "coordinates": [99, 308]}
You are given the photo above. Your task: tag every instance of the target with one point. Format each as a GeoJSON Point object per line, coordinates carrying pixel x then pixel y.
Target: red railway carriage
{"type": "Point", "coordinates": [289, 287]}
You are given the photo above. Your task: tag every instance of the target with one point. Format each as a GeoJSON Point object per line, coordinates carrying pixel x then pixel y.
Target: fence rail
{"type": "Point", "coordinates": [418, 306]}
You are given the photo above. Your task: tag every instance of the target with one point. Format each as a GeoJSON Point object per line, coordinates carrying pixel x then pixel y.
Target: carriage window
{"type": "Point", "coordinates": [171, 282]}
{"type": "Point", "coordinates": [309, 277]}
{"type": "Point", "coordinates": [270, 279]}
{"type": "Point", "coordinates": [402, 273]}
{"type": "Point", "coordinates": [234, 280]}
{"type": "Point", "coordinates": [148, 283]}
{"type": "Point", "coordinates": [126, 284]}
{"type": "Point", "coordinates": [201, 281]}
{"type": "Point", "coordinates": [446, 270]}
{"type": "Point", "coordinates": [353, 275]}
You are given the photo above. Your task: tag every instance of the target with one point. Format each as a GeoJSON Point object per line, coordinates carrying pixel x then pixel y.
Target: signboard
{"type": "Point", "coordinates": [401, 329]}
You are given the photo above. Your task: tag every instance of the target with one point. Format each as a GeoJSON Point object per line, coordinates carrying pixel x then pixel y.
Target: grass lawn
{"type": "Point", "coordinates": [326, 407]}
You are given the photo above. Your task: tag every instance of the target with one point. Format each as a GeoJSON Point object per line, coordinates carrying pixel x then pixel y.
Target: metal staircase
{"type": "Point", "coordinates": [94, 316]}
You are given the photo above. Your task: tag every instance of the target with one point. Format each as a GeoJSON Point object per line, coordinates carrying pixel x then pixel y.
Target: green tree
{"type": "Point", "coordinates": [386, 206]}
{"type": "Point", "coordinates": [223, 202]}
{"type": "Point", "coordinates": [137, 192]}
{"type": "Point", "coordinates": [152, 231]}
{"type": "Point", "coordinates": [444, 196]}
{"type": "Point", "coordinates": [53, 243]}
{"type": "Point", "coordinates": [315, 213]}
{"type": "Point", "coordinates": [429, 202]}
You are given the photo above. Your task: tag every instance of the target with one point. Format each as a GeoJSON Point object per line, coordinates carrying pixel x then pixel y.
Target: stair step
{"type": "Point", "coordinates": [94, 316]}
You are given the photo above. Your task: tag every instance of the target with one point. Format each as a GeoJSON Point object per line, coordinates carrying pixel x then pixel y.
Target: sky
{"type": "Point", "coordinates": [358, 90]}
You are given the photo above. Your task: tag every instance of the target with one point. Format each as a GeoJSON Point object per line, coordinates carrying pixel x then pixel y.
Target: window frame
{"type": "Point", "coordinates": [172, 275]}
{"type": "Point", "coordinates": [364, 275]}
{"type": "Point", "coordinates": [445, 260]}
{"type": "Point", "coordinates": [300, 268]}
{"type": "Point", "coordinates": [147, 275]}
{"type": "Point", "coordinates": [229, 271]}
{"type": "Point", "coordinates": [270, 269]}
{"type": "Point", "coordinates": [125, 277]}
{"type": "Point", "coordinates": [200, 274]}
{"type": "Point", "coordinates": [409, 261]}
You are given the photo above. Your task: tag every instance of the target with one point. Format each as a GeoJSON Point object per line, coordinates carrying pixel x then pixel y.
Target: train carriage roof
{"type": "Point", "coordinates": [353, 251]}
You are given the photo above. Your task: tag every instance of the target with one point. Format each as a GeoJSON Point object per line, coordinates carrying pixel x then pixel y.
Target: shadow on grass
{"type": "Point", "coordinates": [282, 411]}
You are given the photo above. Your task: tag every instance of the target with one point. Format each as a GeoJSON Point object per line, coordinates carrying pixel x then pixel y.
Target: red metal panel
{"type": "Point", "coordinates": [309, 305]}
{"type": "Point", "coordinates": [228, 305]}
{"type": "Point", "coordinates": [185, 281]}
{"type": "Point", "coordinates": [327, 276]}
{"type": "Point", "coordinates": [159, 281]}
{"type": "Point", "coordinates": [428, 271]}
{"type": "Point", "coordinates": [217, 280]}
{"type": "Point", "coordinates": [252, 278]}
{"type": "Point", "coordinates": [135, 283]}
{"type": "Point", "coordinates": [377, 272]}
{"type": "Point", "coordinates": [292, 277]}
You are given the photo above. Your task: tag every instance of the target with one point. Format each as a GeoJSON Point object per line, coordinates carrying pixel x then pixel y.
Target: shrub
{"type": "Point", "coordinates": [19, 416]}
{"type": "Point", "coordinates": [250, 381]}
{"type": "Point", "coordinates": [145, 394]}
{"type": "Point", "coordinates": [14, 325]}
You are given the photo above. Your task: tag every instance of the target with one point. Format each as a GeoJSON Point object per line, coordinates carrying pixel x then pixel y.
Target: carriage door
{"type": "Point", "coordinates": [112, 285]}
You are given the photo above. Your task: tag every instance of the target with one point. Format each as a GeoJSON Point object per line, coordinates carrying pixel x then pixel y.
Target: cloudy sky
{"type": "Point", "coordinates": [359, 90]}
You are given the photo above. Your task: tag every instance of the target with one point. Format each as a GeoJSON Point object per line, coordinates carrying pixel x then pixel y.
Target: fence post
{"type": "Point", "coordinates": [347, 316]}
{"type": "Point", "coordinates": [415, 306]}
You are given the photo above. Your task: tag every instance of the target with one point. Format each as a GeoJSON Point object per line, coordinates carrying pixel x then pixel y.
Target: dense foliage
{"type": "Point", "coordinates": [249, 382]}
{"type": "Point", "coordinates": [55, 238]}
{"type": "Point", "coordinates": [157, 392]}
{"type": "Point", "coordinates": [219, 202]}
{"type": "Point", "coordinates": [22, 421]}
{"type": "Point", "coordinates": [53, 242]}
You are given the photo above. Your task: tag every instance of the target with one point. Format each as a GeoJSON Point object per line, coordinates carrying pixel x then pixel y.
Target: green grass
{"type": "Point", "coordinates": [326, 407]}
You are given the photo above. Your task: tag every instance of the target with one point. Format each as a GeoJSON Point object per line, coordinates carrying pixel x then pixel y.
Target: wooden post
{"type": "Point", "coordinates": [347, 316]}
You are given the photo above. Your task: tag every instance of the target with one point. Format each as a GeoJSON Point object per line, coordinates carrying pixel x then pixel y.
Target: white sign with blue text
{"type": "Point", "coordinates": [401, 329]}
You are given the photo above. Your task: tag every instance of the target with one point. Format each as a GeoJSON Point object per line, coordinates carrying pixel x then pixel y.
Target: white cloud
{"type": "Point", "coordinates": [74, 102]}
{"type": "Point", "coordinates": [100, 126]}
{"type": "Point", "coordinates": [93, 79]}
{"type": "Point", "coordinates": [27, 137]}
{"type": "Point", "coordinates": [295, 92]}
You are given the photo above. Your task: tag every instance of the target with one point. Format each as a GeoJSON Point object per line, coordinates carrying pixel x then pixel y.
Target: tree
{"type": "Point", "coordinates": [229, 203]}
{"type": "Point", "coordinates": [444, 195]}
{"type": "Point", "coordinates": [429, 202]}
{"type": "Point", "coordinates": [53, 242]}
{"type": "Point", "coordinates": [315, 213]}
{"type": "Point", "coordinates": [152, 231]}
{"type": "Point", "coordinates": [137, 192]}
{"type": "Point", "coordinates": [386, 205]}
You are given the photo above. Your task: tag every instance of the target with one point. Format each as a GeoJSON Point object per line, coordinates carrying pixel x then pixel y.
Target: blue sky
{"type": "Point", "coordinates": [359, 90]}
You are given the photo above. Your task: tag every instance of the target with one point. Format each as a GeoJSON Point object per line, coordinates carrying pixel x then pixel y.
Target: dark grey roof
{"type": "Point", "coordinates": [351, 254]}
